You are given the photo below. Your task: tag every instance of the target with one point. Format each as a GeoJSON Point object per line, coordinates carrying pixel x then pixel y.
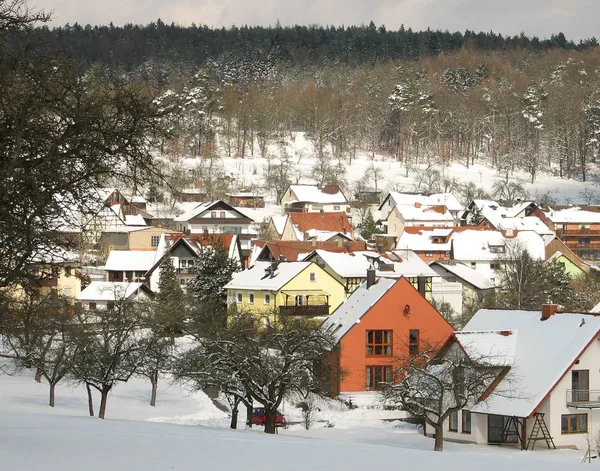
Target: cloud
{"type": "Point", "coordinates": [576, 18]}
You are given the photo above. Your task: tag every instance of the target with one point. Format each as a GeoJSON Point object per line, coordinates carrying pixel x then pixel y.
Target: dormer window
{"type": "Point", "coordinates": [497, 249]}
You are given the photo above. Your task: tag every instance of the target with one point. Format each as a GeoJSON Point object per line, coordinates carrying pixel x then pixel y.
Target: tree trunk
{"type": "Point", "coordinates": [270, 415]}
{"type": "Point", "coordinates": [90, 399]}
{"type": "Point", "coordinates": [52, 386]}
{"type": "Point", "coordinates": [153, 395]}
{"type": "Point", "coordinates": [234, 413]}
{"type": "Point", "coordinates": [38, 375]}
{"type": "Point", "coordinates": [103, 400]}
{"type": "Point", "coordinates": [249, 413]}
{"type": "Point", "coordinates": [439, 439]}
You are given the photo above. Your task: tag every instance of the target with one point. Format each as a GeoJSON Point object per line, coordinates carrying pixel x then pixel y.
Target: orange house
{"type": "Point", "coordinates": [382, 322]}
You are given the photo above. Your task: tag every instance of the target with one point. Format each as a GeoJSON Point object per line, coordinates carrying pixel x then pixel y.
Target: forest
{"type": "Point", "coordinates": [427, 97]}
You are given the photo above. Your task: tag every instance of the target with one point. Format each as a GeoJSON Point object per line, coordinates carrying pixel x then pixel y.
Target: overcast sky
{"type": "Point", "coordinates": [578, 19]}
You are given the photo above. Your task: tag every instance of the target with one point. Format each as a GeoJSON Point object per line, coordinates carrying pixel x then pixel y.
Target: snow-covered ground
{"type": "Point", "coordinates": [187, 432]}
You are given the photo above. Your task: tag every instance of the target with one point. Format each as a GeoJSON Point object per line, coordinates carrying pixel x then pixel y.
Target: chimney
{"type": "Point", "coordinates": [548, 310]}
{"type": "Point", "coordinates": [417, 205]}
{"type": "Point", "coordinates": [370, 277]}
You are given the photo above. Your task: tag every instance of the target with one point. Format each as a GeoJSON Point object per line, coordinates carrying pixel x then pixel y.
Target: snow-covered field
{"type": "Point", "coordinates": [187, 432]}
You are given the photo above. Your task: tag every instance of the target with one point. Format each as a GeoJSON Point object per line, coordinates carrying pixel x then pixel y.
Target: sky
{"type": "Point", "coordinates": [577, 19]}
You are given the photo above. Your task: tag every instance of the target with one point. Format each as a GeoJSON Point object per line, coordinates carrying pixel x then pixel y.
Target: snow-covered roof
{"type": "Point", "coordinates": [435, 199]}
{"type": "Point", "coordinates": [323, 236]}
{"type": "Point", "coordinates": [109, 291]}
{"type": "Point", "coordinates": [527, 223]}
{"type": "Point", "coordinates": [354, 265]}
{"type": "Point", "coordinates": [130, 260]}
{"type": "Point", "coordinates": [313, 194]}
{"type": "Point", "coordinates": [279, 223]}
{"type": "Point", "coordinates": [125, 229]}
{"type": "Point", "coordinates": [356, 306]}
{"type": "Point", "coordinates": [199, 208]}
{"type": "Point", "coordinates": [574, 215]}
{"type": "Point", "coordinates": [258, 277]}
{"type": "Point", "coordinates": [543, 352]}
{"type": "Point", "coordinates": [462, 271]}
{"type": "Point", "coordinates": [422, 240]}
{"type": "Point", "coordinates": [493, 348]}
{"type": "Point", "coordinates": [135, 220]}
{"type": "Point", "coordinates": [477, 245]}
{"type": "Point", "coordinates": [436, 213]}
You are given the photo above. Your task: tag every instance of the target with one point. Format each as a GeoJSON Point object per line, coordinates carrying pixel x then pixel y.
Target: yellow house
{"type": "Point", "coordinates": [272, 289]}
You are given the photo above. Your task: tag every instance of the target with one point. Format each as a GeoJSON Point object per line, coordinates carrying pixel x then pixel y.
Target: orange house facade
{"type": "Point", "coordinates": [382, 322]}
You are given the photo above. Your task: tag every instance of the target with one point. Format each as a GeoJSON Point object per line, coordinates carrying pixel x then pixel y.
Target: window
{"type": "Point", "coordinates": [154, 241]}
{"type": "Point", "coordinates": [429, 254]}
{"type": "Point", "coordinates": [377, 375]}
{"type": "Point", "coordinates": [67, 271]}
{"type": "Point", "coordinates": [413, 342]}
{"type": "Point", "coordinates": [379, 343]}
{"type": "Point", "coordinates": [182, 281]}
{"type": "Point", "coordinates": [92, 305]}
{"type": "Point", "coordinates": [580, 383]}
{"type": "Point", "coordinates": [313, 276]}
{"type": "Point", "coordinates": [250, 298]}
{"type": "Point", "coordinates": [497, 249]}
{"type": "Point", "coordinates": [267, 298]}
{"type": "Point", "coordinates": [222, 214]}
{"type": "Point", "coordinates": [584, 240]}
{"type": "Point", "coordinates": [299, 300]}
{"type": "Point", "coordinates": [466, 421]}
{"type": "Point", "coordinates": [584, 227]}
{"type": "Point", "coordinates": [573, 423]}
{"type": "Point", "coordinates": [213, 214]}
{"type": "Point", "coordinates": [494, 266]}
{"type": "Point", "coordinates": [110, 305]}
{"type": "Point", "coordinates": [190, 263]}
{"type": "Point", "coordinates": [239, 297]}
{"type": "Point", "coordinates": [473, 265]}
{"type": "Point", "coordinates": [336, 207]}
{"type": "Point", "coordinates": [182, 263]}
{"type": "Point", "coordinates": [231, 229]}
{"type": "Point", "coordinates": [453, 421]}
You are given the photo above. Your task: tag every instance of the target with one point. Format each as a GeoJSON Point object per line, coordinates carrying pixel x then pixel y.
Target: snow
{"type": "Point", "coordinates": [185, 431]}
{"type": "Point", "coordinates": [130, 260]}
{"type": "Point", "coordinates": [405, 262]}
{"type": "Point", "coordinates": [423, 241]}
{"type": "Point", "coordinates": [475, 244]}
{"type": "Point", "coordinates": [436, 199]}
{"type": "Point", "coordinates": [466, 273]}
{"type": "Point", "coordinates": [279, 223]}
{"type": "Point", "coordinates": [494, 348]}
{"type": "Point", "coordinates": [426, 213]}
{"type": "Point", "coordinates": [573, 215]}
{"type": "Point", "coordinates": [554, 343]}
{"type": "Point", "coordinates": [108, 291]}
{"type": "Point", "coordinates": [257, 278]}
{"type": "Point", "coordinates": [312, 194]}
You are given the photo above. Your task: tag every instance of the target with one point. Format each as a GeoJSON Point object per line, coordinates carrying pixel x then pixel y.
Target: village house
{"type": "Point", "coordinates": [245, 199]}
{"type": "Point", "coordinates": [579, 228]}
{"type": "Point", "coordinates": [132, 238]}
{"type": "Point", "coordinates": [273, 289]}
{"type": "Point", "coordinates": [292, 251]}
{"type": "Point", "coordinates": [383, 321]}
{"type": "Point", "coordinates": [311, 198]}
{"type": "Point", "coordinates": [184, 250]}
{"type": "Point", "coordinates": [429, 243]}
{"type": "Point", "coordinates": [485, 250]}
{"type": "Point", "coordinates": [403, 216]}
{"type": "Point", "coordinates": [321, 226]}
{"type": "Point", "coordinates": [547, 391]}
{"type": "Point", "coordinates": [106, 294]}
{"type": "Point", "coordinates": [475, 286]}
{"type": "Point", "coordinates": [218, 217]}
{"type": "Point", "coordinates": [394, 198]}
{"type": "Point", "coordinates": [129, 265]}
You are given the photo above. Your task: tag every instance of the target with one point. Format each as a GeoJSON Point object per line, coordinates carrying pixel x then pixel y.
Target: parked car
{"type": "Point", "coordinates": [259, 417]}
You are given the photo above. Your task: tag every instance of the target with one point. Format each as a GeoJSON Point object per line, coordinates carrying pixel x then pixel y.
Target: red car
{"type": "Point", "coordinates": [259, 417]}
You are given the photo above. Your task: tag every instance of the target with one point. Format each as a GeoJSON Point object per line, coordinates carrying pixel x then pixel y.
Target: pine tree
{"type": "Point", "coordinates": [169, 304]}
{"type": "Point", "coordinates": [368, 226]}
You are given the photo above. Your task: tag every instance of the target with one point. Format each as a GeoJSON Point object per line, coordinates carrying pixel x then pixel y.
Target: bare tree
{"type": "Point", "coordinates": [263, 363]}
{"type": "Point", "coordinates": [435, 383]}
{"type": "Point", "coordinates": [16, 14]}
{"type": "Point", "coordinates": [113, 344]}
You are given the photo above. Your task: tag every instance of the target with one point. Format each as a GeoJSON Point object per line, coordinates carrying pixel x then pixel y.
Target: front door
{"type": "Point", "coordinates": [495, 429]}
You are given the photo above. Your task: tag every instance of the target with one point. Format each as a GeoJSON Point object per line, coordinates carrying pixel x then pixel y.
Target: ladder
{"type": "Point", "coordinates": [540, 426]}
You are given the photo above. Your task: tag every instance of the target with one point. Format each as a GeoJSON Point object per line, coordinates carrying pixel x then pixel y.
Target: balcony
{"type": "Point", "coordinates": [312, 310]}
{"type": "Point", "coordinates": [583, 398]}
{"type": "Point", "coordinates": [580, 232]}
{"type": "Point", "coordinates": [185, 270]}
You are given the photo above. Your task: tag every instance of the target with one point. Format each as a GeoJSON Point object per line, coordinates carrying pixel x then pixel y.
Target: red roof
{"type": "Point", "coordinates": [200, 239]}
{"type": "Point", "coordinates": [329, 222]}
{"type": "Point", "coordinates": [290, 250]}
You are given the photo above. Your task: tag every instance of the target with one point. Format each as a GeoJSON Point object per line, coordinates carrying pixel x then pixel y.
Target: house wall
{"type": "Point", "coordinates": [139, 240]}
{"type": "Point", "coordinates": [432, 256]}
{"type": "Point", "coordinates": [114, 241]}
{"type": "Point", "coordinates": [289, 233]}
{"type": "Point", "coordinates": [324, 282]}
{"type": "Point", "coordinates": [387, 314]}
{"type": "Point", "coordinates": [313, 207]}
{"type": "Point", "coordinates": [448, 292]}
{"type": "Point", "coordinates": [395, 222]}
{"type": "Point", "coordinates": [483, 267]}
{"type": "Point", "coordinates": [574, 271]}
{"type": "Point", "coordinates": [556, 406]}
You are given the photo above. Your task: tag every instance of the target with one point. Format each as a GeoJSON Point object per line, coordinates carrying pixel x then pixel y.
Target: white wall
{"type": "Point", "coordinates": [449, 292]}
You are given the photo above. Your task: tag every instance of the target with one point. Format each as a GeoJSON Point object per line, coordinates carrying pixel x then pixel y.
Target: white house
{"type": "Point", "coordinates": [474, 284]}
{"type": "Point", "coordinates": [484, 250]}
{"type": "Point", "coordinates": [105, 294]}
{"type": "Point", "coordinates": [311, 198]}
{"type": "Point", "coordinates": [129, 265]}
{"type": "Point", "coordinates": [395, 198]}
{"type": "Point", "coordinates": [548, 372]}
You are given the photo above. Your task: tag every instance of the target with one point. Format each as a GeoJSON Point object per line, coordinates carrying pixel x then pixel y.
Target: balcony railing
{"type": "Point", "coordinates": [309, 310]}
{"type": "Point", "coordinates": [184, 270]}
{"type": "Point", "coordinates": [583, 397]}
{"type": "Point", "coordinates": [577, 232]}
